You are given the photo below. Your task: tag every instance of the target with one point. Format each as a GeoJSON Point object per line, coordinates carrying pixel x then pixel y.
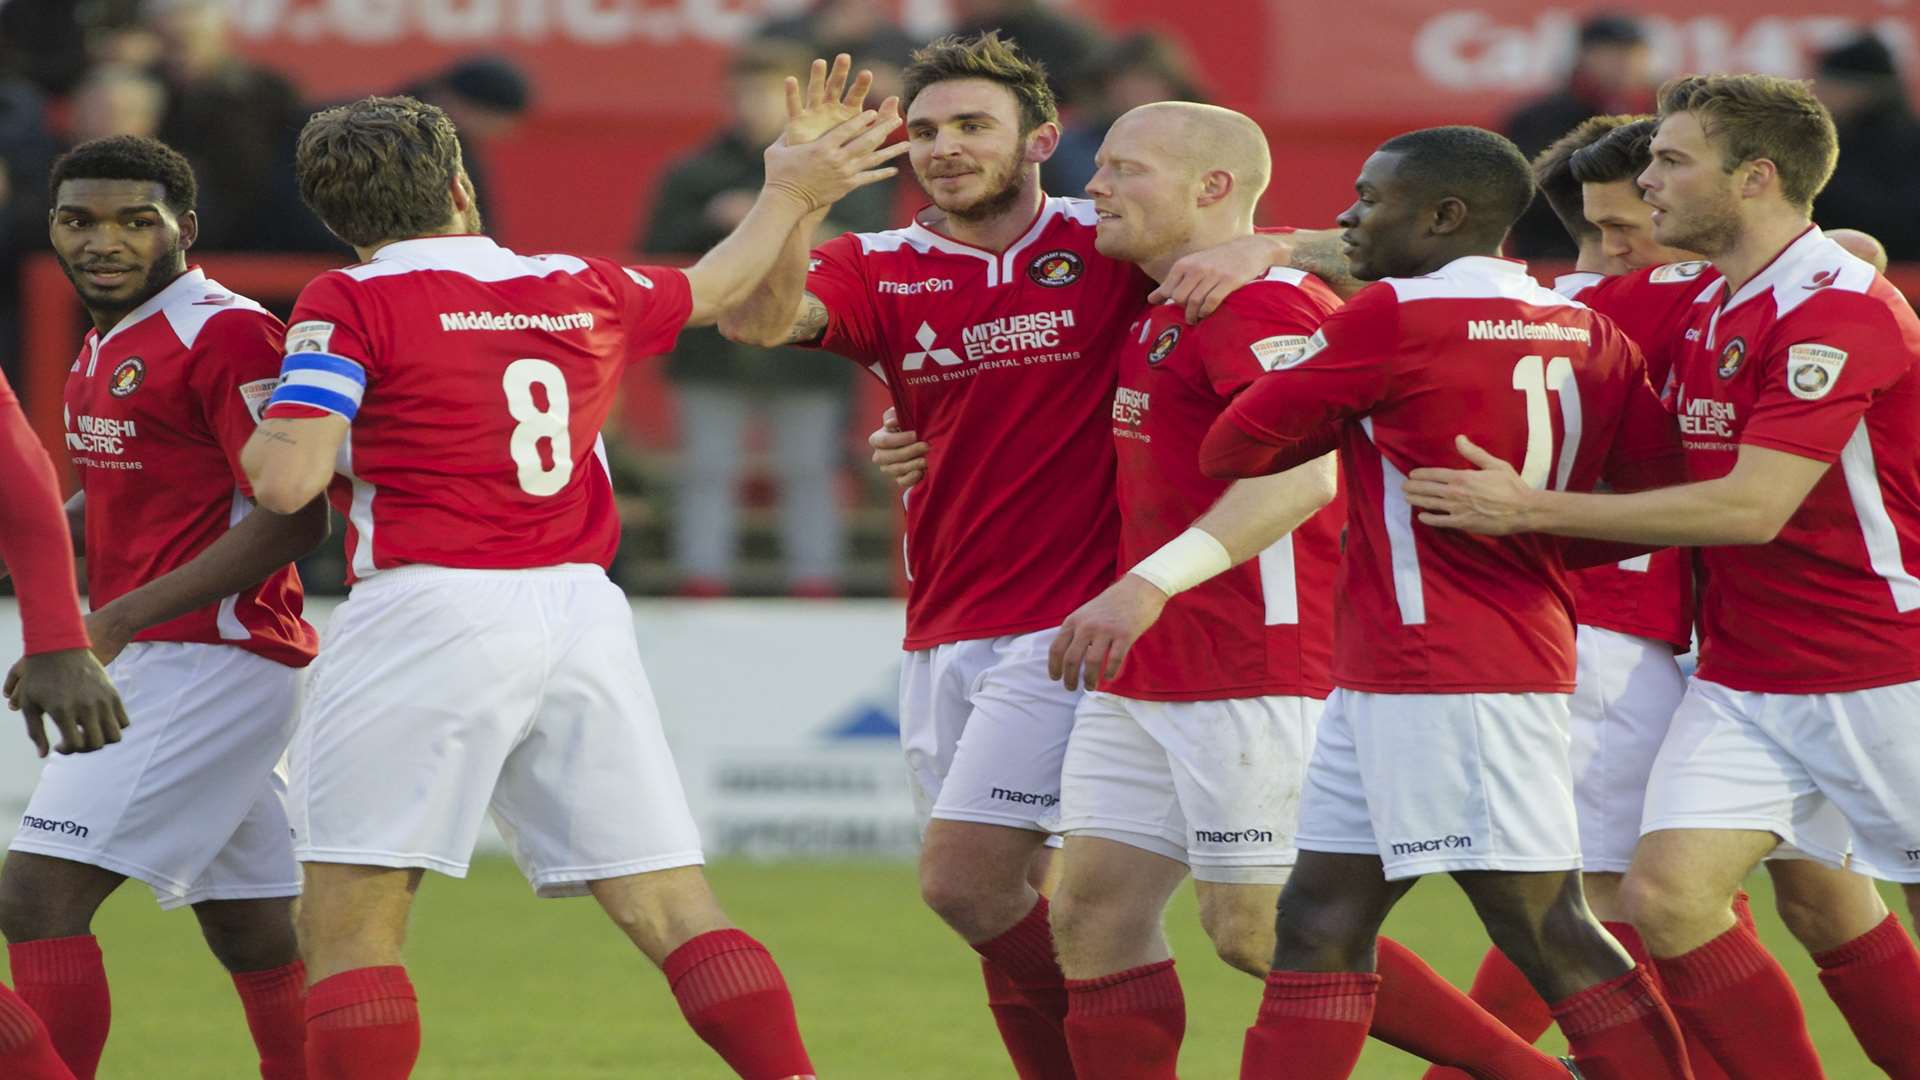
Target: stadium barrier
{"type": "Point", "coordinates": [782, 717]}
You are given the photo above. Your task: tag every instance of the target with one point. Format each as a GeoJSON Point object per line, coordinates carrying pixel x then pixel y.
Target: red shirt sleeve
{"type": "Point", "coordinates": [1646, 451]}
{"type": "Point", "coordinates": [327, 319]}
{"type": "Point", "coordinates": [1293, 414]}
{"type": "Point", "coordinates": [34, 539]}
{"type": "Point", "coordinates": [1259, 328]}
{"type": "Point", "coordinates": [657, 301]}
{"type": "Point", "coordinates": [236, 365]}
{"type": "Point", "coordinates": [837, 277]}
{"type": "Point", "coordinates": [1816, 383]}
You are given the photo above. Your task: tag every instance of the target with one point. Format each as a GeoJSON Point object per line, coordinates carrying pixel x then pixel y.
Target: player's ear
{"type": "Point", "coordinates": [1215, 186]}
{"type": "Point", "coordinates": [1042, 142]}
{"type": "Point", "coordinates": [1760, 172]}
{"type": "Point", "coordinates": [461, 189]}
{"type": "Point", "coordinates": [189, 229]}
{"type": "Point", "coordinates": [1449, 214]}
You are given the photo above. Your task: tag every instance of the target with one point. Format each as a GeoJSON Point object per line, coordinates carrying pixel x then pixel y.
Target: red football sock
{"type": "Point", "coordinates": [1428, 1017]}
{"type": "Point", "coordinates": [363, 1024]}
{"type": "Point", "coordinates": [26, 1052]}
{"type": "Point", "coordinates": [1622, 1030]}
{"type": "Point", "coordinates": [1312, 1025]}
{"type": "Point", "coordinates": [1735, 998]}
{"type": "Point", "coordinates": [734, 997]}
{"type": "Point", "coordinates": [1698, 1056]}
{"type": "Point", "coordinates": [1128, 1025]}
{"type": "Point", "coordinates": [66, 983]}
{"type": "Point", "coordinates": [1875, 980]}
{"type": "Point", "coordinates": [1025, 952]}
{"type": "Point", "coordinates": [1500, 988]}
{"type": "Point", "coordinates": [275, 1001]}
{"type": "Point", "coordinates": [1035, 1043]}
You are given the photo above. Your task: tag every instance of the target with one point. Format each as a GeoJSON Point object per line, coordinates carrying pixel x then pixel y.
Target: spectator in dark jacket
{"type": "Point", "coordinates": [485, 97]}
{"type": "Point", "coordinates": [1612, 73]}
{"type": "Point", "coordinates": [797, 394]}
{"type": "Point", "coordinates": [1874, 187]}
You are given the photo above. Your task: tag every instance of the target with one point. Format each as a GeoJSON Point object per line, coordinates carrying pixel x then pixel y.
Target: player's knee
{"type": "Point", "coordinates": [1242, 937]}
{"type": "Point", "coordinates": [1662, 906]}
{"type": "Point", "coordinates": [1313, 935]}
{"type": "Point", "coordinates": [35, 910]}
{"type": "Point", "coordinates": [249, 935]}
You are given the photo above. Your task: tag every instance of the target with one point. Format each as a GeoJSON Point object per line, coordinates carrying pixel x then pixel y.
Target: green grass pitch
{"type": "Point", "coordinates": [514, 987]}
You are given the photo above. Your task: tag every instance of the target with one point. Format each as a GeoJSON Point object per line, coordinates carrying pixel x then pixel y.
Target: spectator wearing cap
{"type": "Point", "coordinates": [724, 390]}
{"type": "Point", "coordinates": [485, 97]}
{"type": "Point", "coordinates": [1612, 73]}
{"type": "Point", "coordinates": [1874, 188]}
{"type": "Point", "coordinates": [1139, 69]}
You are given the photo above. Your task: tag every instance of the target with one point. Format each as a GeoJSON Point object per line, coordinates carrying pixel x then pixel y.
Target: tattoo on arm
{"type": "Point", "coordinates": [278, 436]}
{"type": "Point", "coordinates": [811, 322]}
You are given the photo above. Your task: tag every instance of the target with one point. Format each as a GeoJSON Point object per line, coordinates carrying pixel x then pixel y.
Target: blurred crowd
{"type": "Point", "coordinates": [763, 430]}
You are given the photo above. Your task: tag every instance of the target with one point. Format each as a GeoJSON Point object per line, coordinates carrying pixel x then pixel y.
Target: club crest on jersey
{"type": "Point", "coordinates": [1281, 351]}
{"type": "Point", "coordinates": [1680, 271]}
{"type": "Point", "coordinates": [1056, 269]}
{"type": "Point", "coordinates": [1813, 369]}
{"type": "Point", "coordinates": [1163, 344]}
{"type": "Point", "coordinates": [127, 377]}
{"type": "Point", "coordinates": [1731, 357]}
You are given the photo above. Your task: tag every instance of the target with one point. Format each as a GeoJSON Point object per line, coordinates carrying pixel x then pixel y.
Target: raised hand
{"type": "Point", "coordinates": [828, 101]}
{"type": "Point", "coordinates": [851, 155]}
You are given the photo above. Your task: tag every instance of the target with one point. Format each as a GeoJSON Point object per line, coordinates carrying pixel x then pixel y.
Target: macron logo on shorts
{"type": "Point", "coordinates": [64, 828]}
{"type": "Point", "coordinates": [1233, 836]}
{"type": "Point", "coordinates": [1421, 847]}
{"type": "Point", "coordinates": [1024, 798]}
{"type": "Point", "coordinates": [1913, 854]}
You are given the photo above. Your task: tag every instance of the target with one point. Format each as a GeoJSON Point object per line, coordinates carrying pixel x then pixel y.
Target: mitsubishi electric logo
{"type": "Point", "coordinates": [916, 360]}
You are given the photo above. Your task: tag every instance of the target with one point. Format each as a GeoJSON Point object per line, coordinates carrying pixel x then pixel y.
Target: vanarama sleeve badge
{"type": "Point", "coordinates": [1281, 350]}
{"type": "Point", "coordinates": [1813, 369]}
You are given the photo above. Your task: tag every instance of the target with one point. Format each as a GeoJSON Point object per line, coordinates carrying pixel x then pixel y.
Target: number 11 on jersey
{"type": "Point", "coordinates": [1534, 376]}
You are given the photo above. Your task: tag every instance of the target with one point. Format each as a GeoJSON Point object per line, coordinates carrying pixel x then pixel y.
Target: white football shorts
{"type": "Point", "coordinates": [189, 800]}
{"type": "Point", "coordinates": [1433, 783]}
{"type": "Point", "coordinates": [1213, 784]}
{"type": "Point", "coordinates": [985, 731]}
{"type": "Point", "coordinates": [443, 694]}
{"type": "Point", "coordinates": [1624, 699]}
{"type": "Point", "coordinates": [1820, 771]}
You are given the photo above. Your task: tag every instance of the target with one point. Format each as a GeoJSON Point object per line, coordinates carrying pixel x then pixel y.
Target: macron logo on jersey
{"type": "Point", "coordinates": [514, 320]}
{"type": "Point", "coordinates": [915, 288]}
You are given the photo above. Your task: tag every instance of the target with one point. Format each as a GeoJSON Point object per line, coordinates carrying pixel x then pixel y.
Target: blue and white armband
{"type": "Point", "coordinates": [322, 381]}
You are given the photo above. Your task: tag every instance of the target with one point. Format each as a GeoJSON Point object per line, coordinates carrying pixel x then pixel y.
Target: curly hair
{"type": "Point", "coordinates": [128, 157]}
{"type": "Point", "coordinates": [381, 168]}
{"type": "Point", "coordinates": [985, 56]}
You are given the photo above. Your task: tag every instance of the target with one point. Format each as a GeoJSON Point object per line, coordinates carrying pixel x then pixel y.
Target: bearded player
{"type": "Point", "coordinates": [994, 322]}
{"type": "Point", "coordinates": [1799, 359]}
{"type": "Point", "coordinates": [195, 607]}
{"type": "Point", "coordinates": [484, 661]}
{"type": "Point", "coordinates": [1631, 622]}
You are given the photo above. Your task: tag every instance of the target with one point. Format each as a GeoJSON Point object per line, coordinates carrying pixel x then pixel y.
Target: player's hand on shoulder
{"type": "Point", "coordinates": [1490, 498]}
{"type": "Point", "coordinates": [1199, 283]}
{"type": "Point", "coordinates": [70, 688]}
{"type": "Point", "coordinates": [827, 102]}
{"type": "Point", "coordinates": [900, 454]}
{"type": "Point", "coordinates": [1093, 642]}
{"type": "Point", "coordinates": [850, 155]}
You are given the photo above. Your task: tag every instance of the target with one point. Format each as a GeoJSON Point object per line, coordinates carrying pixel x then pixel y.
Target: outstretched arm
{"type": "Point", "coordinates": [1248, 518]}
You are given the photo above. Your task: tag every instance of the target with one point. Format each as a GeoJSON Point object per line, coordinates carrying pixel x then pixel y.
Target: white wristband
{"type": "Point", "coordinates": [1184, 561]}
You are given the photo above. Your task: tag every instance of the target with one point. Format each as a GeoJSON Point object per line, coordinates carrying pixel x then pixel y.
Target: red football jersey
{"type": "Point", "coordinates": [487, 377]}
{"type": "Point", "coordinates": [1476, 348]}
{"type": "Point", "coordinates": [1004, 363]}
{"type": "Point", "coordinates": [1650, 595]}
{"type": "Point", "coordinates": [156, 414]}
{"type": "Point", "coordinates": [1266, 626]}
{"type": "Point", "coordinates": [1814, 357]}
